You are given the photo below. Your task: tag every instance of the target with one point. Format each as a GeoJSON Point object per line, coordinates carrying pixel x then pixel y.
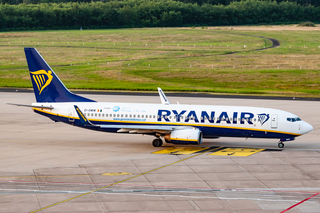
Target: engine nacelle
{"type": "Point", "coordinates": [184, 136]}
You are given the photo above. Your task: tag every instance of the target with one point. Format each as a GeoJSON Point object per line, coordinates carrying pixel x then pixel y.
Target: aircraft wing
{"type": "Point", "coordinates": [140, 128]}
{"type": "Point", "coordinates": [125, 128]}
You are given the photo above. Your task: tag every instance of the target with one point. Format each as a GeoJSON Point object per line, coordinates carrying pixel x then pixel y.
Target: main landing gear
{"type": "Point", "coordinates": [280, 145]}
{"type": "Point", "coordinates": [157, 142]}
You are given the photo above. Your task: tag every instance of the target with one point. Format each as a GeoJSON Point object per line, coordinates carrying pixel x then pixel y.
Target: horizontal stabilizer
{"type": "Point", "coordinates": [33, 106]}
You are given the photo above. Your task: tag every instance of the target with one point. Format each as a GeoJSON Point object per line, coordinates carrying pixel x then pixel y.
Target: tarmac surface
{"type": "Point", "coordinates": [53, 167]}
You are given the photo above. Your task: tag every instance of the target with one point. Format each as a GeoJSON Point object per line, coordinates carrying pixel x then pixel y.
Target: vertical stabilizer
{"type": "Point", "coordinates": [46, 84]}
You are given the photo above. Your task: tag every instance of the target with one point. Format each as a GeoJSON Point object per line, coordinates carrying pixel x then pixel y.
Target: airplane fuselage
{"type": "Point", "coordinates": [213, 121]}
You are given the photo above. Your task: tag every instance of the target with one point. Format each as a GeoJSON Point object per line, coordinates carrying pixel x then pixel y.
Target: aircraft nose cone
{"type": "Point", "coordinates": [307, 128]}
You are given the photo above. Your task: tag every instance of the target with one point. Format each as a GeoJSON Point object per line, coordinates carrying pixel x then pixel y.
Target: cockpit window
{"type": "Point", "coordinates": [293, 119]}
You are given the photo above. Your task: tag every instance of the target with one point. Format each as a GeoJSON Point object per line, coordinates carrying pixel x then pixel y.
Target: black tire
{"type": "Point", "coordinates": [280, 145]}
{"type": "Point", "coordinates": [157, 142]}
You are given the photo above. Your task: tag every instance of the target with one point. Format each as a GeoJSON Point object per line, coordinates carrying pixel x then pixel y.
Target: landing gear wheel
{"type": "Point", "coordinates": [157, 142]}
{"type": "Point", "coordinates": [280, 145]}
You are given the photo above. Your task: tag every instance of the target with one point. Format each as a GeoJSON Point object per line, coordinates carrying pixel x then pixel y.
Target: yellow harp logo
{"type": "Point", "coordinates": [42, 79]}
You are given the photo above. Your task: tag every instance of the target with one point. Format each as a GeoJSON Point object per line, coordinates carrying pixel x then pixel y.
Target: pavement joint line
{"type": "Point", "coordinates": [121, 181]}
{"type": "Point", "coordinates": [300, 202]}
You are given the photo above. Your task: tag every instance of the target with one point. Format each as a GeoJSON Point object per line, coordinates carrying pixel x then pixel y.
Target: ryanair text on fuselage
{"type": "Point", "coordinates": [164, 115]}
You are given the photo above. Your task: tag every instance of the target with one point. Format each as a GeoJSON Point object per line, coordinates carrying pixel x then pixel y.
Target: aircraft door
{"type": "Point", "coordinates": [70, 115]}
{"type": "Point", "coordinates": [274, 121]}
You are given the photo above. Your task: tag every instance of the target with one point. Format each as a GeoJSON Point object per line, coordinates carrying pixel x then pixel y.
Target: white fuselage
{"type": "Point", "coordinates": [214, 121]}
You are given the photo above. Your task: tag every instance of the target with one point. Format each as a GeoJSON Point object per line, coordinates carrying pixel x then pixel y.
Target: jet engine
{"type": "Point", "coordinates": [184, 136]}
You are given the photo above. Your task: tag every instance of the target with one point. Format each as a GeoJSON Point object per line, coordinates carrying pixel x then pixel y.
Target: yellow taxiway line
{"type": "Point", "coordinates": [124, 180]}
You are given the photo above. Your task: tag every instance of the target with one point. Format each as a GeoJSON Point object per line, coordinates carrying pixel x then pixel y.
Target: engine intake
{"type": "Point", "coordinates": [184, 136]}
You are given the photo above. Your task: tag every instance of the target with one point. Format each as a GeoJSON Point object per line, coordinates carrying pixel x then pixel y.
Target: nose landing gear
{"type": "Point", "coordinates": [157, 142]}
{"type": "Point", "coordinates": [281, 145]}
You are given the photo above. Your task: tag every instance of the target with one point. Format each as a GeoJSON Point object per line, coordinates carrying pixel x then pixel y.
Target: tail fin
{"type": "Point", "coordinates": [46, 84]}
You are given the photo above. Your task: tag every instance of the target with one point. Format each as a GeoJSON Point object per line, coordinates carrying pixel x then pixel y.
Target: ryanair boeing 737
{"type": "Point", "coordinates": [175, 123]}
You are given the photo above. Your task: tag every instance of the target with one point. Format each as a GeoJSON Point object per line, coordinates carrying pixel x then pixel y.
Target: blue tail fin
{"type": "Point", "coordinates": [46, 84]}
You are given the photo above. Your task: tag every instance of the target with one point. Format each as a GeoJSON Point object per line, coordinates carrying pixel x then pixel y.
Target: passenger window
{"type": "Point", "coordinates": [142, 116]}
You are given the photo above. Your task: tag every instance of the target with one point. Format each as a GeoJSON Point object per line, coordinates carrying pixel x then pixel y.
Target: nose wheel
{"type": "Point", "coordinates": [280, 145]}
{"type": "Point", "coordinates": [157, 142]}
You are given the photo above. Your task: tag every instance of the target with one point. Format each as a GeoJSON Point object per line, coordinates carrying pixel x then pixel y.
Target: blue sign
{"type": "Point", "coordinates": [116, 108]}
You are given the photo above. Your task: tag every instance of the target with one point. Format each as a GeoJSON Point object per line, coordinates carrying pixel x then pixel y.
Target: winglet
{"type": "Point", "coordinates": [82, 117]}
{"type": "Point", "coordinates": [163, 97]}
